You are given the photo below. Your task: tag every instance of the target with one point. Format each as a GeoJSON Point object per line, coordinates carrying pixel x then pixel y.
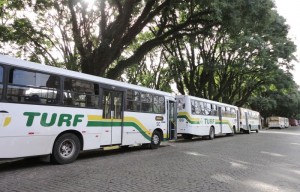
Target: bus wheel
{"type": "Point", "coordinates": [211, 133]}
{"type": "Point", "coordinates": [155, 140]}
{"type": "Point", "coordinates": [187, 136]}
{"type": "Point", "coordinates": [66, 149]}
{"type": "Point", "coordinates": [257, 131]}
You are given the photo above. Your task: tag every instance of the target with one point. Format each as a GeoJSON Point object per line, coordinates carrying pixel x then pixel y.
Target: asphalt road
{"type": "Point", "coordinates": [264, 161]}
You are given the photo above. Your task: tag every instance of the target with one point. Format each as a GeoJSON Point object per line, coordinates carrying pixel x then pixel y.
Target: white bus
{"type": "Point", "coordinates": [202, 117]}
{"type": "Point", "coordinates": [276, 122]}
{"type": "Point", "coordinates": [249, 120]}
{"type": "Point", "coordinates": [52, 111]}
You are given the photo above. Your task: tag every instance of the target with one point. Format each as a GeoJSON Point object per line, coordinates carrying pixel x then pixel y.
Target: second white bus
{"type": "Point", "coordinates": [249, 120]}
{"type": "Point", "coordinates": [202, 117]}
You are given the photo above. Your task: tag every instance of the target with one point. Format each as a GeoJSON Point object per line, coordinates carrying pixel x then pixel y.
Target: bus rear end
{"type": "Point", "coordinates": [182, 116]}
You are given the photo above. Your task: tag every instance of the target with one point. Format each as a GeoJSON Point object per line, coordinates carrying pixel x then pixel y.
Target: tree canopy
{"type": "Point", "coordinates": [231, 51]}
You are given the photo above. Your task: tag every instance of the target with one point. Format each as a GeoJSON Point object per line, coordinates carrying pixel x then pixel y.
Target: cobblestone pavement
{"type": "Point", "coordinates": [267, 161]}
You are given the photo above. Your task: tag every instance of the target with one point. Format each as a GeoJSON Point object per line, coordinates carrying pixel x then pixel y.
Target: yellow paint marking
{"type": "Point", "coordinates": [7, 121]}
{"type": "Point", "coordinates": [111, 147]}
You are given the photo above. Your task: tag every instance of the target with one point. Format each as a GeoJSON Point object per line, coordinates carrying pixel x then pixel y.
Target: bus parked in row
{"type": "Point", "coordinates": [249, 120]}
{"type": "Point", "coordinates": [277, 122]}
{"type": "Point", "coordinates": [46, 110]}
{"type": "Point", "coordinates": [293, 122]}
{"type": "Point", "coordinates": [202, 117]}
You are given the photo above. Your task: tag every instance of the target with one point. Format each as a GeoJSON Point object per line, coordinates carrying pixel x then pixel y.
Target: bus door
{"type": "Point", "coordinates": [219, 131]}
{"type": "Point", "coordinates": [172, 119]}
{"type": "Point", "coordinates": [246, 119]}
{"type": "Point", "coordinates": [113, 112]}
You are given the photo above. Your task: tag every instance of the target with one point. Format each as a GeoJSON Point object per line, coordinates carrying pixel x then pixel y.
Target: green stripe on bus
{"type": "Point", "coordinates": [198, 122]}
{"type": "Point", "coordinates": [187, 118]}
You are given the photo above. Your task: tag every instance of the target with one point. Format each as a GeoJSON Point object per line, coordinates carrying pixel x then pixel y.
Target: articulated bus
{"type": "Point", "coordinates": [249, 120]}
{"type": "Point", "coordinates": [55, 112]}
{"type": "Point", "coordinates": [202, 117]}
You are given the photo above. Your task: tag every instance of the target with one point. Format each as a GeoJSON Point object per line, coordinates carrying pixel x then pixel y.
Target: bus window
{"type": "Point", "coordinates": [233, 112]}
{"type": "Point", "coordinates": [213, 110]}
{"type": "Point", "coordinates": [147, 102]}
{"type": "Point", "coordinates": [158, 104]}
{"type": "Point", "coordinates": [32, 87]}
{"type": "Point", "coordinates": [193, 107]}
{"type": "Point", "coordinates": [197, 108]}
{"type": "Point", "coordinates": [81, 93]}
{"type": "Point", "coordinates": [180, 104]}
{"type": "Point", "coordinates": [133, 101]}
{"type": "Point", "coordinates": [202, 108]}
{"type": "Point", "coordinates": [208, 109]}
{"type": "Point", "coordinates": [223, 111]}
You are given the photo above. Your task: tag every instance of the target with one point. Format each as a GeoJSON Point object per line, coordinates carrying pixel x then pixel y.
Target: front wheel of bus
{"type": "Point", "coordinates": [155, 140]}
{"type": "Point", "coordinates": [66, 149]}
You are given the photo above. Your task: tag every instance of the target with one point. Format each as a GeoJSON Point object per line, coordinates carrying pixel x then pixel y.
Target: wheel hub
{"type": "Point", "coordinates": [155, 139]}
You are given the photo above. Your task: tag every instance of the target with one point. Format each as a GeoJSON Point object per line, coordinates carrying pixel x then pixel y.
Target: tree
{"type": "Point", "coordinates": [97, 36]}
{"type": "Point", "coordinates": [233, 59]}
{"type": "Point", "coordinates": [280, 97]}
{"type": "Point", "coordinates": [151, 72]}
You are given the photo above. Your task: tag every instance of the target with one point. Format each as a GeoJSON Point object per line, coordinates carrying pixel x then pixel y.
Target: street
{"type": "Point", "coordinates": [264, 161]}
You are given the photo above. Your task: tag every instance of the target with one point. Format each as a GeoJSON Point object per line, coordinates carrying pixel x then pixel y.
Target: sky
{"type": "Point", "coordinates": [290, 10]}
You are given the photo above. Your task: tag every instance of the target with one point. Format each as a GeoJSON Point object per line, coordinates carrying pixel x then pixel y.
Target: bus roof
{"type": "Point", "coordinates": [205, 100]}
{"type": "Point", "coordinates": [249, 110]}
{"type": "Point", "coordinates": [4, 59]}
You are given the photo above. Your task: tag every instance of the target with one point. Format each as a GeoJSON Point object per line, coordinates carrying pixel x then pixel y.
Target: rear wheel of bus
{"type": "Point", "coordinates": [155, 140]}
{"type": "Point", "coordinates": [66, 149]}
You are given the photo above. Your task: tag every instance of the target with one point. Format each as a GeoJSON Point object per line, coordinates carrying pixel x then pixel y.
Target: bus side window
{"type": "Point", "coordinates": [193, 108]}
{"type": "Point", "coordinates": [208, 109]}
{"type": "Point", "coordinates": [133, 101]}
{"type": "Point", "coordinates": [147, 102]}
{"type": "Point", "coordinates": [81, 93]}
{"type": "Point", "coordinates": [31, 87]}
{"type": "Point", "coordinates": [158, 104]}
{"type": "Point", "coordinates": [213, 110]}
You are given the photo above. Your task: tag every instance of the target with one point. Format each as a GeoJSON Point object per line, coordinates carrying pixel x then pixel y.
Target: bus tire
{"type": "Point", "coordinates": [65, 149]}
{"type": "Point", "coordinates": [187, 136]}
{"type": "Point", "coordinates": [155, 140]}
{"type": "Point", "coordinates": [256, 130]}
{"type": "Point", "coordinates": [211, 135]}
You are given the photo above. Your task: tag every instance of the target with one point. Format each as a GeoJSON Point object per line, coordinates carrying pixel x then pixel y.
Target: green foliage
{"type": "Point", "coordinates": [151, 72]}
{"type": "Point", "coordinates": [280, 97]}
{"type": "Point", "coordinates": [234, 51]}
{"type": "Point", "coordinates": [233, 59]}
